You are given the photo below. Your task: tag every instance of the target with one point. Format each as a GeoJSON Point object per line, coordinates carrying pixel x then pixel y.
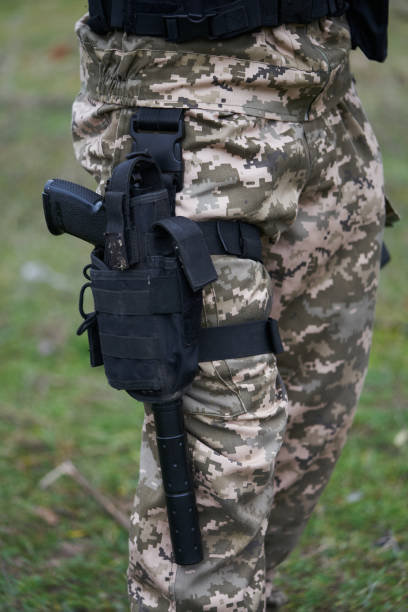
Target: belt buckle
{"type": "Point", "coordinates": [185, 27]}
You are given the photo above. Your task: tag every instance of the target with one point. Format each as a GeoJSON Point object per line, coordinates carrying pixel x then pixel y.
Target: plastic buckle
{"type": "Point", "coordinates": [185, 27]}
{"type": "Point", "coordinates": [160, 131]}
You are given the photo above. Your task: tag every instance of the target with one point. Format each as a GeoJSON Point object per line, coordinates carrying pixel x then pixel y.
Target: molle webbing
{"type": "Point", "coordinates": [204, 19]}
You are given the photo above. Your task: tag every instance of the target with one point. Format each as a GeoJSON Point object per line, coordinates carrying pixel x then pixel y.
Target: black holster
{"type": "Point", "coordinates": [147, 286]}
{"type": "Point", "coordinates": [147, 273]}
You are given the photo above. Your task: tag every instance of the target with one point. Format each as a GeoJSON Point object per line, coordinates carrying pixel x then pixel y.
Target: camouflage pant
{"type": "Point", "coordinates": [275, 135]}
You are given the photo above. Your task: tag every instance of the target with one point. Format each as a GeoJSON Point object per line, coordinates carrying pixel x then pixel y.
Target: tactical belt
{"type": "Point", "coordinates": [205, 19]}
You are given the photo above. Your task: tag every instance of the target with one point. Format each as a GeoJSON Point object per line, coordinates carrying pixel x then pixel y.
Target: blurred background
{"type": "Point", "coordinates": [59, 549]}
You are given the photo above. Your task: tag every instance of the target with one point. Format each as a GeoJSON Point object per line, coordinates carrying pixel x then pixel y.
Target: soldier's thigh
{"type": "Point", "coordinates": [325, 273]}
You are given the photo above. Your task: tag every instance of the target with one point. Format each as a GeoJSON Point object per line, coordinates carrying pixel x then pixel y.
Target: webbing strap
{"type": "Point", "coordinates": [140, 167]}
{"type": "Point", "coordinates": [215, 343]}
{"type": "Point", "coordinates": [115, 249]}
{"type": "Point", "coordinates": [222, 237]}
{"type": "Point", "coordinates": [235, 341]}
{"type": "Point", "coordinates": [160, 131]}
{"type": "Point", "coordinates": [232, 237]}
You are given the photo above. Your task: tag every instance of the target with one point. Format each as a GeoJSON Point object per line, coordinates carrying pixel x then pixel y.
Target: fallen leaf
{"type": "Point", "coordinates": [38, 272]}
{"type": "Point", "coordinates": [59, 51]}
{"type": "Point", "coordinates": [46, 347]}
{"type": "Point", "coordinates": [387, 542]}
{"type": "Point", "coordinates": [71, 549]}
{"type": "Point", "coordinates": [354, 497]}
{"type": "Point", "coordinates": [76, 533]}
{"type": "Point", "coordinates": [401, 438]}
{"type": "Point", "coordinates": [46, 514]}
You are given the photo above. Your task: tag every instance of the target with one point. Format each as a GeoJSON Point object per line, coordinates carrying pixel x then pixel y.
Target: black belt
{"type": "Point", "coordinates": [224, 21]}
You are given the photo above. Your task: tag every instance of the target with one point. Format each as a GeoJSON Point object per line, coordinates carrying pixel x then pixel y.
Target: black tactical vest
{"type": "Point", "coordinates": [368, 19]}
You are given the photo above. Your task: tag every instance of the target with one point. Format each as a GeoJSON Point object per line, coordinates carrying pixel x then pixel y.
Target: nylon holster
{"type": "Point", "coordinates": [147, 286]}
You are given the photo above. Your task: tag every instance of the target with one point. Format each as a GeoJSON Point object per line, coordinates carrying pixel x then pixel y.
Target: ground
{"type": "Point", "coordinates": [58, 549]}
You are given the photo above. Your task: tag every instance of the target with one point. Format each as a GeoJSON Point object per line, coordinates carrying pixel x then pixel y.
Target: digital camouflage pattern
{"type": "Point", "coordinates": [275, 135]}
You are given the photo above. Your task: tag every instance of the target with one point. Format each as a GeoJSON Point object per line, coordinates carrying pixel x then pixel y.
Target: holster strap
{"type": "Point", "coordinates": [236, 341]}
{"type": "Point", "coordinates": [160, 131]}
{"type": "Point", "coordinates": [232, 237]}
{"type": "Point", "coordinates": [222, 237]}
{"type": "Point", "coordinates": [215, 343]}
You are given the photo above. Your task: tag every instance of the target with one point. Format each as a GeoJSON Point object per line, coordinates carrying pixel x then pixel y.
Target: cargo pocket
{"type": "Point", "coordinates": [232, 387]}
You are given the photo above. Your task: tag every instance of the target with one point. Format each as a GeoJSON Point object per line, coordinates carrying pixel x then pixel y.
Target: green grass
{"type": "Point", "coordinates": [353, 555]}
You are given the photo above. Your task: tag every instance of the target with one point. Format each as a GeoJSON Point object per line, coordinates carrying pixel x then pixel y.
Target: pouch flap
{"type": "Point", "coordinates": [191, 250]}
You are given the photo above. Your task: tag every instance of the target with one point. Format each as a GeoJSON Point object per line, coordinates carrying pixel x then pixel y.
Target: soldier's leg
{"type": "Point", "coordinates": [325, 273]}
{"type": "Point", "coordinates": [235, 417]}
{"type": "Point", "coordinates": [233, 413]}
{"type": "Point", "coordinates": [241, 167]}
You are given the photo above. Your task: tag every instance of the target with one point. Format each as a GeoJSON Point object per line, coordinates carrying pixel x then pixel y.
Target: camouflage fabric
{"type": "Point", "coordinates": [275, 135]}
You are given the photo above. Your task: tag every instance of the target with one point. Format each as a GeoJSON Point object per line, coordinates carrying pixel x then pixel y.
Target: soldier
{"type": "Point", "coordinates": [276, 137]}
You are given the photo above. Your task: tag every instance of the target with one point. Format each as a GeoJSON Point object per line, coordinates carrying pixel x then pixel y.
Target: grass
{"type": "Point", "coordinates": [58, 550]}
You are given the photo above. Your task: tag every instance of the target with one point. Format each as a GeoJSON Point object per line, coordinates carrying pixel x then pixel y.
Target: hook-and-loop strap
{"type": "Point", "coordinates": [236, 341]}
{"type": "Point", "coordinates": [191, 250]}
{"type": "Point", "coordinates": [215, 343]}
